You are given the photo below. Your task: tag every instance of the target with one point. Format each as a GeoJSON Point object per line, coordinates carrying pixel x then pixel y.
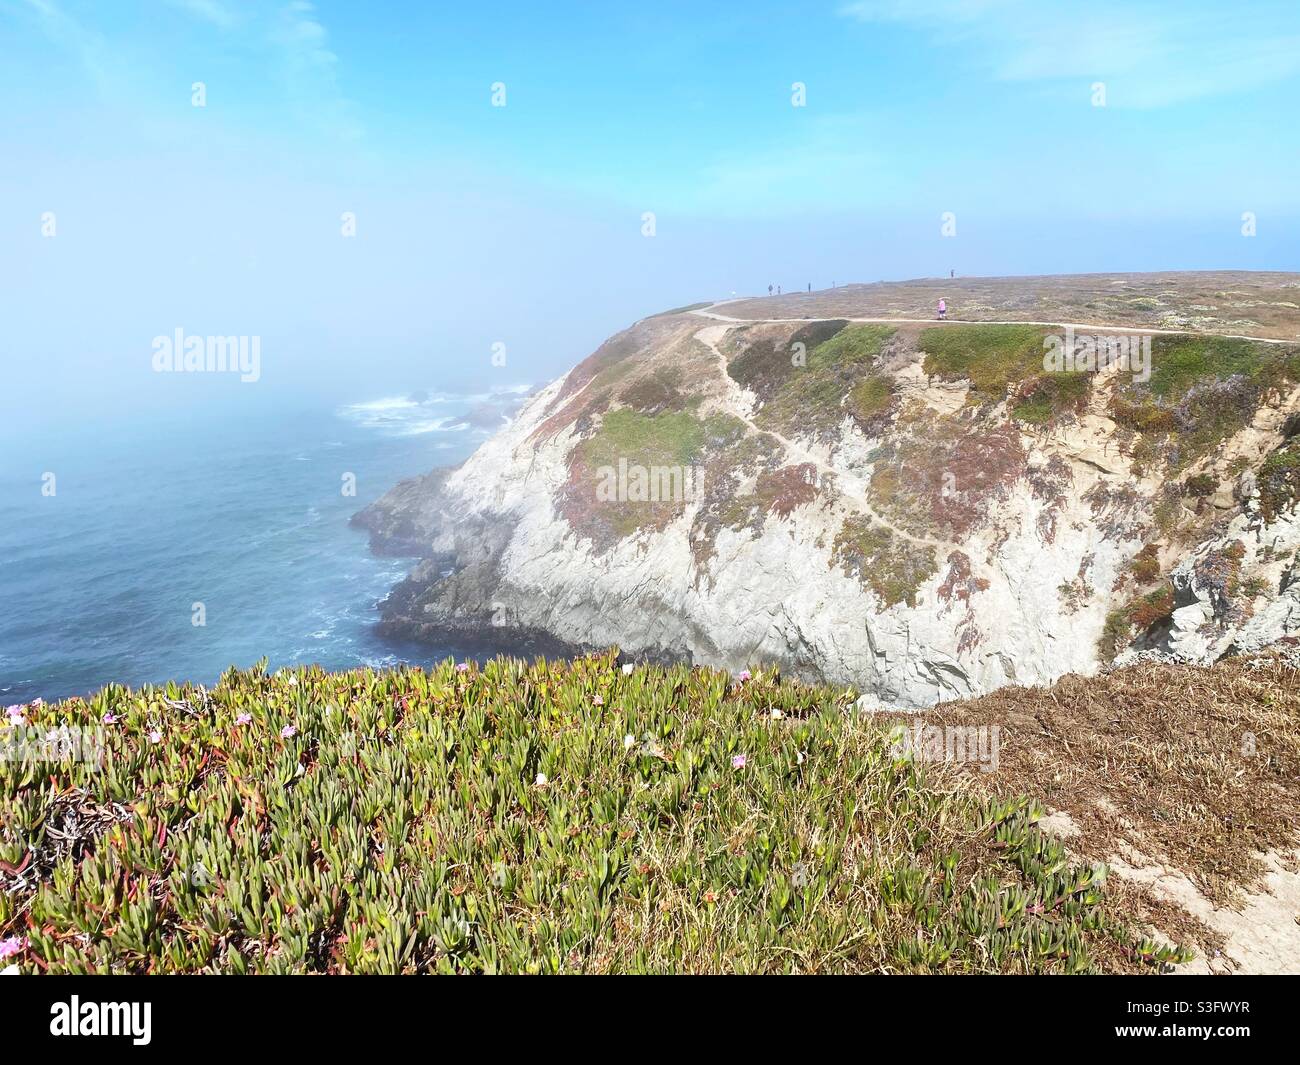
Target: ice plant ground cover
{"type": "Point", "coordinates": [554, 817]}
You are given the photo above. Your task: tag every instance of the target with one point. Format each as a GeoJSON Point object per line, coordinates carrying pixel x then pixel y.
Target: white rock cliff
{"type": "Point", "coordinates": [827, 545]}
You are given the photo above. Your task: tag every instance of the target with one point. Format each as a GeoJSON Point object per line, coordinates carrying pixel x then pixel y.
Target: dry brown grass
{"type": "Point", "coordinates": [1248, 303]}
{"type": "Point", "coordinates": [1197, 768]}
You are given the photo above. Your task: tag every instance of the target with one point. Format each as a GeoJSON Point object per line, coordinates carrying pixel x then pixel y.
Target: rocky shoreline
{"type": "Point", "coordinates": [446, 598]}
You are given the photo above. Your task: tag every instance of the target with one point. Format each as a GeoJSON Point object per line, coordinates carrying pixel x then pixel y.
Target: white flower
{"type": "Point", "coordinates": [776, 714]}
{"type": "Point", "coordinates": [10, 970]}
{"type": "Point", "coordinates": [541, 780]}
{"type": "Point", "coordinates": [627, 669]}
{"type": "Point", "coordinates": [629, 741]}
{"type": "Point", "coordinates": [799, 758]}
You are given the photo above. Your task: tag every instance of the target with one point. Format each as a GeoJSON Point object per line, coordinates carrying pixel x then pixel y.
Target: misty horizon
{"type": "Point", "coordinates": [381, 224]}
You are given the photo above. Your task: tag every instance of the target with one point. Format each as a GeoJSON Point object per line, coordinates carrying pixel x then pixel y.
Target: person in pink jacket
{"type": "Point", "coordinates": [943, 310]}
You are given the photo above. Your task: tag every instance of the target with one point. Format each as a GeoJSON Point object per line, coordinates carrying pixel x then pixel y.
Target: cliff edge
{"type": "Point", "coordinates": [1066, 473]}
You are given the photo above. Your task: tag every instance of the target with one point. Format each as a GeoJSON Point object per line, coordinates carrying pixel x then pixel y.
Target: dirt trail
{"type": "Point", "coordinates": [849, 484]}
{"type": "Point", "coordinates": [1078, 327]}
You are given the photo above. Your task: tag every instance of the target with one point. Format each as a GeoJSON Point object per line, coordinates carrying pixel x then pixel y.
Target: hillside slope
{"type": "Point", "coordinates": [919, 509]}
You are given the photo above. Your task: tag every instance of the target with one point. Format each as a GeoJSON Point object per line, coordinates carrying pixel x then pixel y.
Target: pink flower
{"type": "Point", "coordinates": [738, 761]}
{"type": "Point", "coordinates": [109, 719]}
{"type": "Point", "coordinates": [11, 946]}
{"type": "Point", "coordinates": [15, 714]}
{"type": "Point", "coordinates": [743, 676]}
{"type": "Point", "coordinates": [155, 736]}
{"type": "Point", "coordinates": [288, 731]}
{"type": "Point", "coordinates": [38, 702]}
{"type": "Point", "coordinates": [596, 700]}
{"type": "Point", "coordinates": [462, 667]}
{"type": "Point", "coordinates": [243, 719]}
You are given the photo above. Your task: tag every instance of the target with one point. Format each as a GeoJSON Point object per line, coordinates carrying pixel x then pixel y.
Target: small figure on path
{"type": "Point", "coordinates": [943, 310]}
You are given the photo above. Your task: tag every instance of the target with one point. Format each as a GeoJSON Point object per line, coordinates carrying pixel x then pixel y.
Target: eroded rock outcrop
{"type": "Point", "coordinates": [921, 512]}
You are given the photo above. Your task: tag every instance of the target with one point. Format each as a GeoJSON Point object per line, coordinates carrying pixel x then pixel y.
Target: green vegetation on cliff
{"type": "Point", "coordinates": [803, 384]}
{"type": "Point", "coordinates": [991, 357]}
{"type": "Point", "coordinates": [662, 448]}
{"type": "Point", "coordinates": [892, 567]}
{"type": "Point", "coordinates": [666, 439]}
{"type": "Point", "coordinates": [1179, 363]}
{"type": "Point", "coordinates": [1202, 390]}
{"type": "Point", "coordinates": [1001, 361]}
{"type": "Point", "coordinates": [1279, 481]}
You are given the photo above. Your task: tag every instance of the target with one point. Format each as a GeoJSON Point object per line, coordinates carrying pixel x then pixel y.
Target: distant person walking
{"type": "Point", "coordinates": [769, 290]}
{"type": "Point", "coordinates": [943, 310]}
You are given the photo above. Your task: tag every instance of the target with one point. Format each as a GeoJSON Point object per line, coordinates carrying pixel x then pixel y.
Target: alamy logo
{"type": "Point", "coordinates": [948, 743]}
{"type": "Point", "coordinates": [26, 743]}
{"type": "Point", "coordinates": [647, 484]}
{"type": "Point", "coordinates": [1092, 352]}
{"type": "Point", "coordinates": [77, 1018]}
{"type": "Point", "coordinates": [179, 353]}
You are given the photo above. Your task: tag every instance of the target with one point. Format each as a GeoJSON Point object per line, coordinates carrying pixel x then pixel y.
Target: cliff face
{"type": "Point", "coordinates": [921, 511]}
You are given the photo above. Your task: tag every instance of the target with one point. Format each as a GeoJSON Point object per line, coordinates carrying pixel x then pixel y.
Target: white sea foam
{"type": "Point", "coordinates": [422, 412]}
{"type": "Point", "coordinates": [434, 425]}
{"type": "Point", "coordinates": [388, 403]}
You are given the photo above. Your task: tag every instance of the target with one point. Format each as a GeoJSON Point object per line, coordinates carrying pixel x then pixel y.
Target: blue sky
{"type": "Point", "coordinates": [522, 224]}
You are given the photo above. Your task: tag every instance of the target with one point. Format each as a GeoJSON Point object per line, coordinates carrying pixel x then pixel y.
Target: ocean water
{"type": "Point", "coordinates": [247, 516]}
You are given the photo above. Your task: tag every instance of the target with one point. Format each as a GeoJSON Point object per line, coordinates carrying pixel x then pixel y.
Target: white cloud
{"type": "Point", "coordinates": [297, 40]}
{"type": "Point", "coordinates": [67, 33]}
{"type": "Point", "coordinates": [834, 159]}
{"type": "Point", "coordinates": [1150, 56]}
{"type": "Point", "coordinates": [213, 11]}
{"type": "Point", "coordinates": [311, 71]}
